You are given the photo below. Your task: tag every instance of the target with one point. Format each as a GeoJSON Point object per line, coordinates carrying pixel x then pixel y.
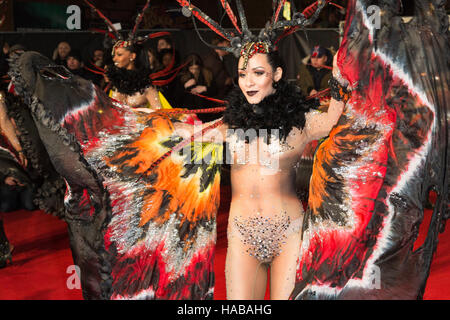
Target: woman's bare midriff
{"type": "Point", "coordinates": [257, 191]}
{"type": "Point", "coordinates": [258, 188]}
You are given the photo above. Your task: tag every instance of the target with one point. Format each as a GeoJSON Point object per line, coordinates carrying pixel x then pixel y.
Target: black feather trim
{"type": "Point", "coordinates": [283, 110]}
{"type": "Point", "coordinates": [50, 187]}
{"type": "Point", "coordinates": [129, 81]}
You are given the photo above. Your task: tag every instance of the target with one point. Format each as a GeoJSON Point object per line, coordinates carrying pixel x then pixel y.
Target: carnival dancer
{"type": "Point", "coordinates": [16, 187]}
{"type": "Point", "coordinates": [27, 179]}
{"type": "Point", "coordinates": [370, 179]}
{"type": "Point", "coordinates": [140, 227]}
{"type": "Point", "coordinates": [267, 123]}
{"type": "Point", "coordinates": [130, 78]}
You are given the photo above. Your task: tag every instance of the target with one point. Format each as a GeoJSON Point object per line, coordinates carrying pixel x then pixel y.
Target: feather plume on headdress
{"type": "Point", "coordinates": [133, 39]}
{"type": "Point", "coordinates": [243, 42]}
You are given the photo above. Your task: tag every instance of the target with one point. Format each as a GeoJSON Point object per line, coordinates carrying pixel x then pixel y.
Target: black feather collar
{"type": "Point", "coordinates": [283, 110]}
{"type": "Point", "coordinates": [129, 81]}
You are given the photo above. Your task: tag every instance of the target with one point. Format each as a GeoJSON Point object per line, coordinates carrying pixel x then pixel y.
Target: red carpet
{"type": "Point", "coordinates": [42, 256]}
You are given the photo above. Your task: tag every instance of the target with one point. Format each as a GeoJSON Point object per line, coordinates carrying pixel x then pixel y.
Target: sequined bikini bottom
{"type": "Point", "coordinates": [264, 235]}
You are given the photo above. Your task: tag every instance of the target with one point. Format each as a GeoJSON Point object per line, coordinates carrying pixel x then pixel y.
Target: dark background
{"type": "Point", "coordinates": [292, 49]}
{"type": "Point", "coordinates": [40, 25]}
{"type": "Point", "coordinates": [163, 14]}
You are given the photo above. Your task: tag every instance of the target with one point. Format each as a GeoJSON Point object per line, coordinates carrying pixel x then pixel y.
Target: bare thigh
{"type": "Point", "coordinates": [248, 258]}
{"type": "Point", "coordinates": [284, 268]}
{"type": "Point", "coordinates": [246, 276]}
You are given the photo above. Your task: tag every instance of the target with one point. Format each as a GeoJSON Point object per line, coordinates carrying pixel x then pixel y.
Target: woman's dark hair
{"type": "Point", "coordinates": [167, 39]}
{"type": "Point", "coordinates": [274, 60]}
{"type": "Point", "coordinates": [193, 59]}
{"type": "Point", "coordinates": [141, 60]}
{"type": "Point", "coordinates": [157, 64]}
{"type": "Point", "coordinates": [162, 53]}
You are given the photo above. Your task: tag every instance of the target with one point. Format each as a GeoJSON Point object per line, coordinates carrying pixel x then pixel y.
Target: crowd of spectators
{"type": "Point", "coordinates": [205, 74]}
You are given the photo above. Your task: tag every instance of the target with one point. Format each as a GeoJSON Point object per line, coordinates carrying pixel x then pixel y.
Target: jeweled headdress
{"type": "Point", "coordinates": [243, 42]}
{"type": "Point", "coordinates": [158, 78]}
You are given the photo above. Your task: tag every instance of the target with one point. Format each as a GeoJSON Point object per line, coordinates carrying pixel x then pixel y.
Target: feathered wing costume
{"type": "Point", "coordinates": [141, 223]}
{"type": "Point", "coordinates": [48, 187]}
{"type": "Point", "coordinates": [372, 176]}
{"type": "Point", "coordinates": [140, 230]}
{"type": "Point", "coordinates": [134, 233]}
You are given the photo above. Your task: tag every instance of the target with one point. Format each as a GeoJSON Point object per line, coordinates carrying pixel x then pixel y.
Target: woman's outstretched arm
{"type": "Point", "coordinates": [319, 124]}
{"type": "Point", "coordinates": [217, 134]}
{"type": "Point", "coordinates": [8, 129]}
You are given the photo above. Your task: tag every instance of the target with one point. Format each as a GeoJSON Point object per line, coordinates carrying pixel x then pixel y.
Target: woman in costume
{"type": "Point", "coordinates": [266, 230]}
{"type": "Point", "coordinates": [264, 226]}
{"type": "Point", "coordinates": [16, 187]}
{"type": "Point", "coordinates": [23, 183]}
{"type": "Point", "coordinates": [144, 227]}
{"type": "Point", "coordinates": [32, 179]}
{"type": "Point", "coordinates": [132, 79]}
{"type": "Point", "coordinates": [9, 166]}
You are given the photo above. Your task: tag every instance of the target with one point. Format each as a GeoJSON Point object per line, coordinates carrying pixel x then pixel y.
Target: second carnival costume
{"type": "Point", "coordinates": [135, 85]}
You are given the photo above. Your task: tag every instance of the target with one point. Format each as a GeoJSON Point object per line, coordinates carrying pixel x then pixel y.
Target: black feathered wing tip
{"type": "Point", "coordinates": [406, 76]}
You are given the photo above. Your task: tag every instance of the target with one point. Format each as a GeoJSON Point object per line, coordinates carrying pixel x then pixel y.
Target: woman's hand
{"type": "Point", "coordinates": [336, 71]}
{"type": "Point", "coordinates": [23, 160]}
{"type": "Point", "coordinates": [146, 110]}
{"type": "Point", "coordinates": [183, 130]}
{"type": "Point", "coordinates": [11, 181]}
{"type": "Point", "coordinates": [190, 83]}
{"type": "Point", "coordinates": [199, 89]}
